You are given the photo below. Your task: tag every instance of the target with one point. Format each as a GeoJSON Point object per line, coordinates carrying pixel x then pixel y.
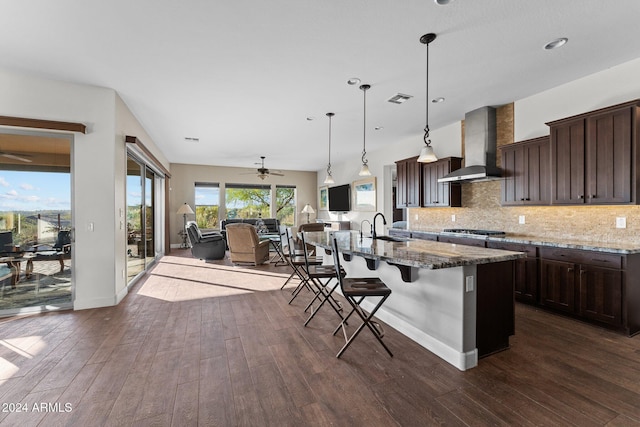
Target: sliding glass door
{"type": "Point", "coordinates": [36, 226]}
{"type": "Point", "coordinates": [141, 217]}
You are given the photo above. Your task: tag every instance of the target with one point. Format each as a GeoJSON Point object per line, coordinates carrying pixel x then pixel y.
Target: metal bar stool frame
{"type": "Point", "coordinates": [355, 290]}
{"type": "Point", "coordinates": [325, 292]}
{"type": "Point", "coordinates": [298, 264]}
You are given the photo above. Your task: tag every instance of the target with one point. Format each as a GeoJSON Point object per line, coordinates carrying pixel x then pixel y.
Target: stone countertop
{"type": "Point", "coordinates": [598, 246]}
{"type": "Point", "coordinates": [411, 252]}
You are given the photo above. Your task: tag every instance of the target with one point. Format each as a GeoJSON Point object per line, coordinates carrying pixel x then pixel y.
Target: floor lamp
{"type": "Point", "coordinates": [307, 210]}
{"type": "Point", "coordinates": [184, 210]}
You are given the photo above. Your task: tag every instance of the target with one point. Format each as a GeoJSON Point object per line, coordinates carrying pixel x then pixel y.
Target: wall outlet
{"type": "Point", "coordinates": [453, 218]}
{"type": "Point", "coordinates": [621, 222]}
{"type": "Point", "coordinates": [416, 217]}
{"type": "Point", "coordinates": [469, 283]}
{"type": "Point", "coordinates": [521, 219]}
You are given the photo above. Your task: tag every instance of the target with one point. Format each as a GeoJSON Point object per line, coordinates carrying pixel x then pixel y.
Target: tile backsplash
{"type": "Point", "coordinates": [482, 210]}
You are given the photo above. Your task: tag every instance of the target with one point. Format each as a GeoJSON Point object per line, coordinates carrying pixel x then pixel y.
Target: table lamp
{"type": "Point", "coordinates": [184, 210]}
{"type": "Point", "coordinates": [307, 210]}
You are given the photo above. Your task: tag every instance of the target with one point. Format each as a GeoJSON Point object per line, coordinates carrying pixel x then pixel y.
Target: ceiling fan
{"type": "Point", "coordinates": [263, 172]}
{"type": "Point", "coordinates": [14, 156]}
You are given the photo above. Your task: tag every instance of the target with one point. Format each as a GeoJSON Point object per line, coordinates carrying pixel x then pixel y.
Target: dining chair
{"type": "Point", "coordinates": [355, 290]}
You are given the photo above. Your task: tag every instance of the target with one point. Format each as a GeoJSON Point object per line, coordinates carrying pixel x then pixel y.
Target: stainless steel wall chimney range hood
{"type": "Point", "coordinates": [479, 148]}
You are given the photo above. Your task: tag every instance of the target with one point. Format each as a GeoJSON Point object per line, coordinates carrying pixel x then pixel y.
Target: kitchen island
{"type": "Point", "coordinates": [455, 300]}
{"type": "Point", "coordinates": [591, 280]}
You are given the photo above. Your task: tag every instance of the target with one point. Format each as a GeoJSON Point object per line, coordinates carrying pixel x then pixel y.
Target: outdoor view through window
{"type": "Point", "coordinates": [35, 224]}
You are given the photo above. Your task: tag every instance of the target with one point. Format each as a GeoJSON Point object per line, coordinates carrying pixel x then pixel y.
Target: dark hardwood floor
{"type": "Point", "coordinates": [209, 344]}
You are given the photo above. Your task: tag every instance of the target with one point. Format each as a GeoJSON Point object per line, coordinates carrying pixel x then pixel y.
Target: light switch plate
{"type": "Point", "coordinates": [521, 219]}
{"type": "Point", "coordinates": [621, 222]}
{"type": "Point", "coordinates": [453, 218]}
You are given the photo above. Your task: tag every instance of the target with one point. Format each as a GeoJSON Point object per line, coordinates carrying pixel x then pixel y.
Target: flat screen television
{"type": "Point", "coordinates": [340, 198]}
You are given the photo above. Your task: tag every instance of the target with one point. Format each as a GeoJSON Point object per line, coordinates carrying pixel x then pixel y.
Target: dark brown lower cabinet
{"type": "Point", "coordinates": [526, 270]}
{"type": "Point", "coordinates": [557, 285]}
{"type": "Point", "coordinates": [601, 294]}
{"type": "Point", "coordinates": [587, 284]}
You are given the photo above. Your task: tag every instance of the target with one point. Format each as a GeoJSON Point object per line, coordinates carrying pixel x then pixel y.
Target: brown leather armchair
{"type": "Point", "coordinates": [245, 246]}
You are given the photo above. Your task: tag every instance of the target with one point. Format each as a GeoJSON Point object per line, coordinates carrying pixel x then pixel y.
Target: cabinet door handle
{"type": "Point", "coordinates": [599, 260]}
{"type": "Point", "coordinates": [570, 270]}
{"type": "Point", "coordinates": [581, 196]}
{"type": "Point", "coordinates": [527, 199]}
{"type": "Point", "coordinates": [593, 196]}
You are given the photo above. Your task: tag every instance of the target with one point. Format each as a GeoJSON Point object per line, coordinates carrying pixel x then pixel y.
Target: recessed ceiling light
{"type": "Point", "coordinates": [191, 139]}
{"type": "Point", "coordinates": [353, 81]}
{"type": "Point", "coordinates": [379, 127]}
{"type": "Point", "coordinates": [556, 43]}
{"type": "Point", "coordinates": [310, 118]}
{"type": "Point", "coordinates": [437, 100]}
{"type": "Point", "coordinates": [399, 98]}
{"type": "Point", "coordinates": [443, 2]}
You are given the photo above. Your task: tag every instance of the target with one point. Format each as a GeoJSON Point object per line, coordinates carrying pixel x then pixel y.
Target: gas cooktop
{"type": "Point", "coordinates": [471, 231]}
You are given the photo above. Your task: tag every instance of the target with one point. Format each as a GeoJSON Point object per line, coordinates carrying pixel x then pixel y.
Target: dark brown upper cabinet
{"type": "Point", "coordinates": [594, 156]}
{"type": "Point", "coordinates": [440, 194]}
{"type": "Point", "coordinates": [408, 187]}
{"type": "Point", "coordinates": [526, 171]}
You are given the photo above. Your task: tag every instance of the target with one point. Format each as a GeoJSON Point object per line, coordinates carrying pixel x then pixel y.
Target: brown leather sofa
{"type": "Point", "coordinates": [245, 246]}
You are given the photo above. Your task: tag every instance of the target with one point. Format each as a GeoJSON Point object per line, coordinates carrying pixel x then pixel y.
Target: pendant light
{"type": "Point", "coordinates": [364, 169]}
{"type": "Point", "coordinates": [329, 178]}
{"type": "Point", "coordinates": [426, 154]}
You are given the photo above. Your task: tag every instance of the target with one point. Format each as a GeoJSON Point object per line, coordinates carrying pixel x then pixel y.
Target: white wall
{"type": "Point", "coordinates": [609, 87]}
{"type": "Point", "coordinates": [98, 173]}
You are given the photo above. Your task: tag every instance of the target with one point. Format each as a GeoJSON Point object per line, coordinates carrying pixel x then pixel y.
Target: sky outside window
{"type": "Point", "coordinates": [32, 191]}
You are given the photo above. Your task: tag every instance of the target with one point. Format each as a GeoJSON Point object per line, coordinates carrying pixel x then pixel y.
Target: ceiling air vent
{"type": "Point", "coordinates": [399, 98]}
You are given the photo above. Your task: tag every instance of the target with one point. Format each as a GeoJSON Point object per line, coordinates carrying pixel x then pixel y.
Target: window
{"type": "Point", "coordinates": [286, 204]}
{"type": "Point", "coordinates": [248, 201]}
{"type": "Point", "coordinates": [207, 204]}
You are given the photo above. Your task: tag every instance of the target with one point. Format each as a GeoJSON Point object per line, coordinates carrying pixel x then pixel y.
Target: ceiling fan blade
{"type": "Point", "coordinates": [16, 157]}
{"type": "Point", "coordinates": [277, 174]}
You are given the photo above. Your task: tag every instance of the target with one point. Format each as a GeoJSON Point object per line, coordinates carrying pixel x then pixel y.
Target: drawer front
{"type": "Point", "coordinates": [599, 259]}
{"type": "Point", "coordinates": [531, 251]}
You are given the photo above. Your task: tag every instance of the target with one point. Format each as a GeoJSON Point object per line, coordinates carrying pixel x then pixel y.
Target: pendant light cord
{"type": "Point", "coordinates": [426, 127]}
{"type": "Point", "coordinates": [364, 129]}
{"type": "Point", "coordinates": [330, 115]}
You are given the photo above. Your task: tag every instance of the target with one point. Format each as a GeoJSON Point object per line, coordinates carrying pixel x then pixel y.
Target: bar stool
{"type": "Point", "coordinates": [296, 261]}
{"type": "Point", "coordinates": [355, 290]}
{"type": "Point", "coordinates": [316, 275]}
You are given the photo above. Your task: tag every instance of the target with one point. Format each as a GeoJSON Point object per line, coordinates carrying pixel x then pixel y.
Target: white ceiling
{"type": "Point", "coordinates": [244, 75]}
